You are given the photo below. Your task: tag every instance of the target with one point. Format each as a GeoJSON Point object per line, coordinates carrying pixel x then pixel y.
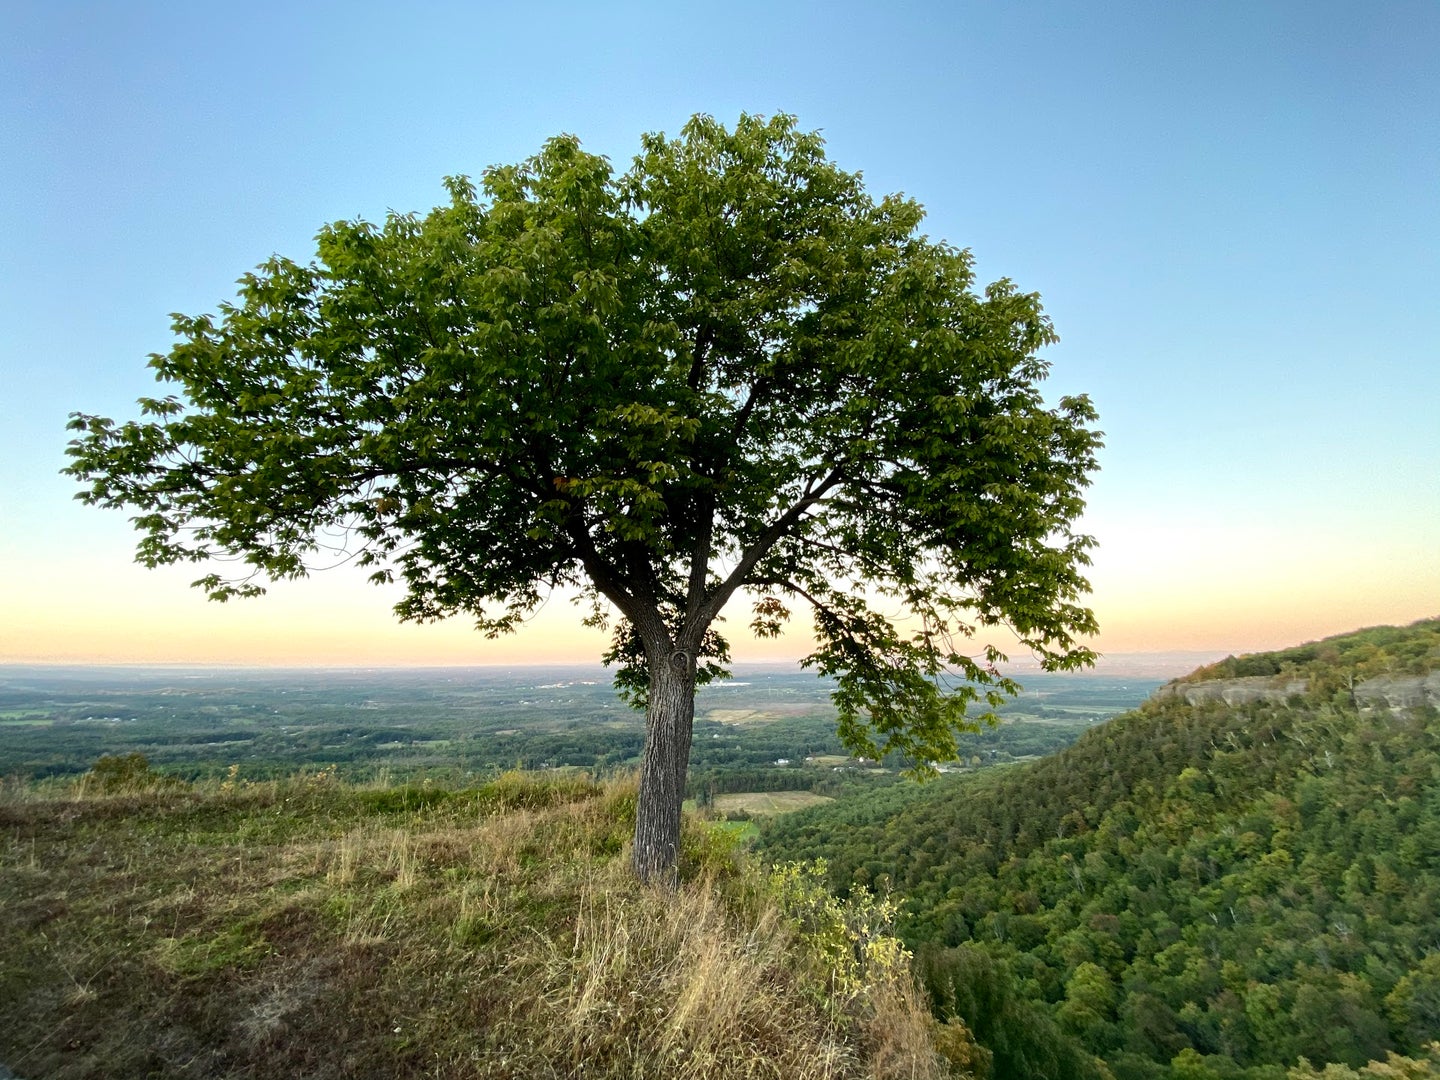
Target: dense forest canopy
{"type": "Point", "coordinates": [1380, 650]}
{"type": "Point", "coordinates": [1191, 890]}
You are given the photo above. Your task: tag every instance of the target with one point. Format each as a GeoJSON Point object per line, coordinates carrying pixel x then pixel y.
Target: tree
{"type": "Point", "coordinates": [726, 370]}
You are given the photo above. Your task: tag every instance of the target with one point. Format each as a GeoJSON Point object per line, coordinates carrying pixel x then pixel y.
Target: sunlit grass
{"type": "Point", "coordinates": [308, 927]}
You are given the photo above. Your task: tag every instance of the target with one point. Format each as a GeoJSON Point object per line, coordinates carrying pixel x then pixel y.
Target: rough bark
{"type": "Point", "coordinates": [669, 724]}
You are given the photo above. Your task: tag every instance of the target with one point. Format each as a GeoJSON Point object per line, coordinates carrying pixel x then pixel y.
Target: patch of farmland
{"type": "Point", "coordinates": [768, 802]}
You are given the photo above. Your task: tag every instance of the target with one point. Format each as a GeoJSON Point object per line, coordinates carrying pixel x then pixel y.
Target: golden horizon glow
{"type": "Point", "coordinates": [116, 612]}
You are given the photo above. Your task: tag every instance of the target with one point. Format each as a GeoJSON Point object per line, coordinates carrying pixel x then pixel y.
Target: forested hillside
{"type": "Point", "coordinates": [1198, 888]}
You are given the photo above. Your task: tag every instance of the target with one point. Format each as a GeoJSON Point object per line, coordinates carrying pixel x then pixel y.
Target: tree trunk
{"type": "Point", "coordinates": [669, 723]}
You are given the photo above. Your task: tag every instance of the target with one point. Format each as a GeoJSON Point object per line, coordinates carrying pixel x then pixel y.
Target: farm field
{"type": "Point", "coordinates": [768, 802]}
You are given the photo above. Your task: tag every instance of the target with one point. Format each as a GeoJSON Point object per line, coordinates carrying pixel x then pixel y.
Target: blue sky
{"type": "Point", "coordinates": [1232, 211]}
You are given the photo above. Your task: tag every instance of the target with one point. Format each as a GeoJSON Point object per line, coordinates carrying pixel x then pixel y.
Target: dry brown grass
{"type": "Point", "coordinates": [309, 929]}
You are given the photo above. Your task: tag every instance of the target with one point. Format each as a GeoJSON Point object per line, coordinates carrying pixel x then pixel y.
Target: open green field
{"type": "Point", "coordinates": [768, 802]}
{"type": "Point", "coordinates": [768, 715]}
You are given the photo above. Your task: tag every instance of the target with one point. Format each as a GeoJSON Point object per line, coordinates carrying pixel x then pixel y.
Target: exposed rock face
{"type": "Point", "coordinates": [1235, 691]}
{"type": "Point", "coordinates": [1385, 691]}
{"type": "Point", "coordinates": [1400, 691]}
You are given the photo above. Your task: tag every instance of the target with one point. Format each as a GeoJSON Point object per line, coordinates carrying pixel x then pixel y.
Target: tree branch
{"type": "Point", "coordinates": [742, 415]}
{"type": "Point", "coordinates": [705, 615]}
{"type": "Point", "coordinates": [611, 582]}
{"type": "Point", "coordinates": [700, 555]}
{"type": "Point", "coordinates": [703, 336]}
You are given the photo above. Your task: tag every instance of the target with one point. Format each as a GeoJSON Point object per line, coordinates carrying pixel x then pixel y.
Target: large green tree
{"type": "Point", "coordinates": [726, 370]}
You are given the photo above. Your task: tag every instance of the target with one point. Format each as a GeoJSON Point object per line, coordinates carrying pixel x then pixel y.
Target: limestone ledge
{"type": "Point", "coordinates": [1384, 691]}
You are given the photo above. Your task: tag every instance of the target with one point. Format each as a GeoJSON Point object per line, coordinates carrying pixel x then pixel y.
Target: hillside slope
{"type": "Point", "coordinates": [318, 930]}
{"type": "Point", "coordinates": [1203, 887]}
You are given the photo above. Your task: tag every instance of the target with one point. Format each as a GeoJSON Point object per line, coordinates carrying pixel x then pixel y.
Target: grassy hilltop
{"type": "Point", "coordinates": [310, 928]}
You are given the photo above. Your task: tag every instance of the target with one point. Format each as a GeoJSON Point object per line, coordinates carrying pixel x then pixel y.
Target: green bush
{"type": "Point", "coordinates": [113, 774]}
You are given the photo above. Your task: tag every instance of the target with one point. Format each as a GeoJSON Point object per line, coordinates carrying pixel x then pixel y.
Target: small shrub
{"type": "Point", "coordinates": [125, 773]}
{"type": "Point", "coordinates": [621, 800]}
{"type": "Point", "coordinates": [956, 1044]}
{"type": "Point", "coordinates": [515, 790]}
{"type": "Point", "coordinates": [405, 799]}
{"type": "Point", "coordinates": [851, 938]}
{"type": "Point", "coordinates": [707, 850]}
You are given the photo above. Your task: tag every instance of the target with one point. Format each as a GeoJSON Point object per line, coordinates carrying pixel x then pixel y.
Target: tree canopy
{"type": "Point", "coordinates": [725, 370]}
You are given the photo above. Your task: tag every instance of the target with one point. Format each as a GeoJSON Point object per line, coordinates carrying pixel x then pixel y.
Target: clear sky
{"type": "Point", "coordinates": [1232, 211]}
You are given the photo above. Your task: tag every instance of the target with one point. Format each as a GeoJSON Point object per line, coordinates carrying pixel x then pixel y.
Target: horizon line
{"type": "Point", "coordinates": [230, 665]}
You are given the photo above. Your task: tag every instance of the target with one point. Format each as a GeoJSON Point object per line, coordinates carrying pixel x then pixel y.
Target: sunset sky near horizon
{"type": "Point", "coordinates": [1231, 211]}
